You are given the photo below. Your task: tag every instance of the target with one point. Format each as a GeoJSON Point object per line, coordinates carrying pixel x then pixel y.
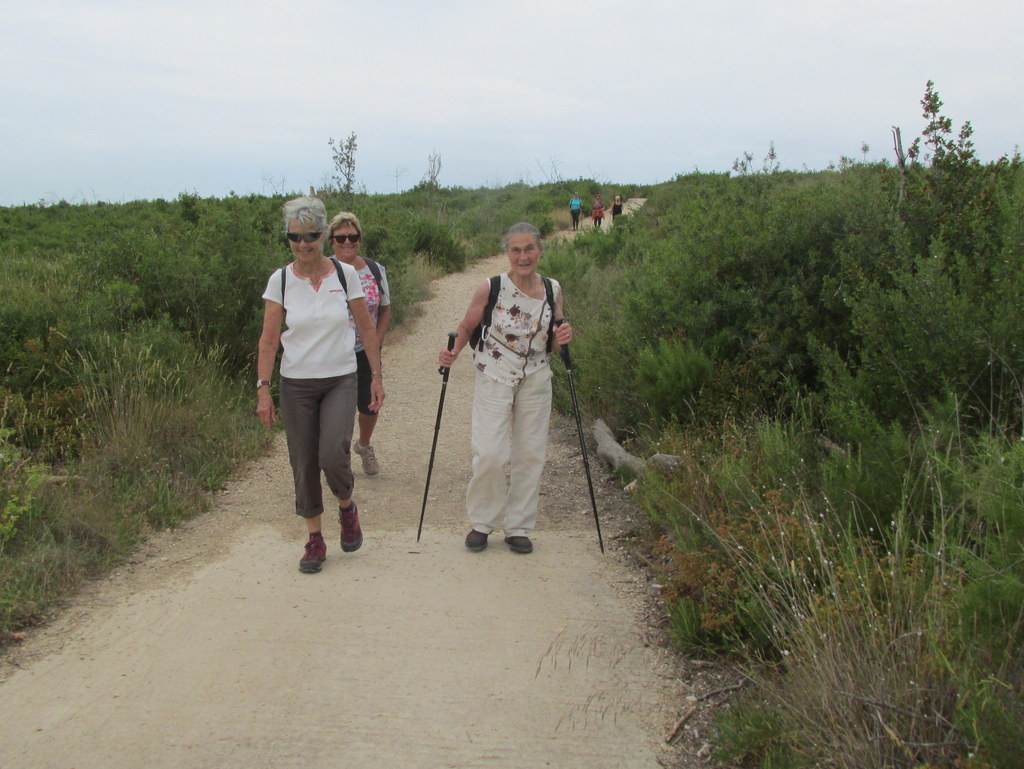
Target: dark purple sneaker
{"type": "Point", "coordinates": [315, 555]}
{"type": "Point", "coordinates": [351, 534]}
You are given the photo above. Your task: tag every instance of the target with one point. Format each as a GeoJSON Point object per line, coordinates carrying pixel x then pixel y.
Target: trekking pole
{"type": "Point", "coordinates": [443, 371]}
{"type": "Point", "coordinates": [579, 429]}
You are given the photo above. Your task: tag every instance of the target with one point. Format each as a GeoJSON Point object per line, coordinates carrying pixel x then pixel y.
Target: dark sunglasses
{"type": "Point", "coordinates": [305, 237]}
{"type": "Point", "coordinates": [342, 238]}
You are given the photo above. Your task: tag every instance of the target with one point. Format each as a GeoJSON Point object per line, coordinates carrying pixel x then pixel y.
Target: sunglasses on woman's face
{"type": "Point", "coordinates": [305, 237]}
{"type": "Point", "coordinates": [342, 238]}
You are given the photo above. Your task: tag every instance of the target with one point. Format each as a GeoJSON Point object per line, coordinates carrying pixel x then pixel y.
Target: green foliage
{"type": "Point", "coordinates": [670, 376]}
{"type": "Point", "coordinates": [19, 481]}
{"type": "Point", "coordinates": [754, 737]}
{"type": "Point", "coordinates": [436, 243]}
{"type": "Point", "coordinates": [919, 621]}
{"type": "Point", "coordinates": [162, 427]}
{"type": "Point", "coordinates": [344, 155]}
{"type": "Point", "coordinates": [849, 506]}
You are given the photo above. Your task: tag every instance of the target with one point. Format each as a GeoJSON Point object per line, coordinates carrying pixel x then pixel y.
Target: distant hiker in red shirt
{"type": "Point", "coordinates": [597, 210]}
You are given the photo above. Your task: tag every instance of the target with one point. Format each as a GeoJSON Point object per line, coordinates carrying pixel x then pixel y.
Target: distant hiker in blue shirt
{"type": "Point", "coordinates": [575, 206]}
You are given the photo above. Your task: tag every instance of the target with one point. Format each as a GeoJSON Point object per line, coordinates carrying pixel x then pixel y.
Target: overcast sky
{"type": "Point", "coordinates": [120, 100]}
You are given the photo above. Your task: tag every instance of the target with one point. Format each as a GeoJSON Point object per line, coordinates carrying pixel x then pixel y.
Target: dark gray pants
{"type": "Point", "coordinates": [318, 416]}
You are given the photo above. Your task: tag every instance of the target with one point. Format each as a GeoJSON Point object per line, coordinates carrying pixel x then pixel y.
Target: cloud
{"type": "Point", "coordinates": [153, 97]}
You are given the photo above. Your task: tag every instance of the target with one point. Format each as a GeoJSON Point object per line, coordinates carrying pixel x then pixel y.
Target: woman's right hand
{"type": "Point", "coordinates": [265, 407]}
{"type": "Point", "coordinates": [446, 357]}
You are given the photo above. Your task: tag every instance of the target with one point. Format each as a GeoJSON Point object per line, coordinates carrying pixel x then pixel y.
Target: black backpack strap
{"type": "Point", "coordinates": [550, 291]}
{"type": "Point", "coordinates": [341, 276]}
{"type": "Point", "coordinates": [476, 339]}
{"type": "Point", "coordinates": [375, 271]}
{"type": "Point", "coordinates": [284, 275]}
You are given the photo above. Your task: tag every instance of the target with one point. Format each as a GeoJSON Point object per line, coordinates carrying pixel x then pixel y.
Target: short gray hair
{"type": "Point", "coordinates": [306, 210]}
{"type": "Point", "coordinates": [519, 228]}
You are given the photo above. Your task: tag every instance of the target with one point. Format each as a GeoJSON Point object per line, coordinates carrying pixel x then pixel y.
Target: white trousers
{"type": "Point", "coordinates": [510, 430]}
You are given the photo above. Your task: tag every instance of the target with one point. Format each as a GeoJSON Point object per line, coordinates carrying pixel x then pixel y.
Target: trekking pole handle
{"type": "Point", "coordinates": [564, 347]}
{"type": "Point", "coordinates": [452, 336]}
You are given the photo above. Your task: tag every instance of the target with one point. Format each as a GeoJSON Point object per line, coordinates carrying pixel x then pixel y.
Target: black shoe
{"type": "Point", "coordinates": [476, 540]}
{"type": "Point", "coordinates": [519, 544]}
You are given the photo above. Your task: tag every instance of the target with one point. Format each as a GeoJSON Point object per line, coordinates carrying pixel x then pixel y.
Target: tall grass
{"type": "Point", "coordinates": [163, 427]}
{"type": "Point", "coordinates": [898, 647]}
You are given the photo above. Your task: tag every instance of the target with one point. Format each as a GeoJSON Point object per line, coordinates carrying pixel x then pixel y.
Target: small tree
{"type": "Point", "coordinates": [344, 163]}
{"type": "Point", "coordinates": [433, 170]}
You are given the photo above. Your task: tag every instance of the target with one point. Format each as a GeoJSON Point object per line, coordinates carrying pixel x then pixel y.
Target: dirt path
{"type": "Point", "coordinates": [212, 650]}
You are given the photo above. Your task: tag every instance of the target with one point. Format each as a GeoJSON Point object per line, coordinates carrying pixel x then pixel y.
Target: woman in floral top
{"type": "Point", "coordinates": [512, 398]}
{"type": "Point", "coordinates": [345, 235]}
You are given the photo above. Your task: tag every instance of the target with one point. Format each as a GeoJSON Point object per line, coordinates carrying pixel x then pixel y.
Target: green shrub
{"type": "Point", "coordinates": [19, 481]}
{"type": "Point", "coordinates": [670, 376]}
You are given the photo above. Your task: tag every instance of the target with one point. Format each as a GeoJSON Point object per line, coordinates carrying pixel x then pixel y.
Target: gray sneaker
{"type": "Point", "coordinates": [370, 466]}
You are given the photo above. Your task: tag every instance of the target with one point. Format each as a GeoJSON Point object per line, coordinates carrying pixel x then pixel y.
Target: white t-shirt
{"type": "Point", "coordinates": [318, 341]}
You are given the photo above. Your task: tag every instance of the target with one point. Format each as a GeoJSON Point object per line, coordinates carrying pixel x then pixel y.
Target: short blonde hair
{"type": "Point", "coordinates": [342, 218]}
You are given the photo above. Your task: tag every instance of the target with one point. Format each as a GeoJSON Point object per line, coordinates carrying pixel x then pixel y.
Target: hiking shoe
{"type": "Point", "coordinates": [315, 555]}
{"type": "Point", "coordinates": [351, 534]}
{"type": "Point", "coordinates": [519, 544]}
{"type": "Point", "coordinates": [366, 453]}
{"type": "Point", "coordinates": [476, 540]}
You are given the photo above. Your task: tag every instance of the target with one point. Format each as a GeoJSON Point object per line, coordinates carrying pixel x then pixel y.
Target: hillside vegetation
{"type": "Point", "coordinates": [840, 368]}
{"type": "Point", "coordinates": [835, 357]}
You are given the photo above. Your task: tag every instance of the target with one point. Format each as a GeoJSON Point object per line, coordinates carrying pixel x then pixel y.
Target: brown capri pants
{"type": "Point", "coordinates": [318, 416]}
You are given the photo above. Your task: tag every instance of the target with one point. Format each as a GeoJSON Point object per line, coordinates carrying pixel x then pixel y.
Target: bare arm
{"type": "Point", "coordinates": [383, 322]}
{"type": "Point", "coordinates": [371, 345]}
{"type": "Point", "coordinates": [270, 339]}
{"type": "Point", "coordinates": [474, 317]}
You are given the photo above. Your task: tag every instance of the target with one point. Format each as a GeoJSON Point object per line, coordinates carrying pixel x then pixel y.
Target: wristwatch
{"type": "Point", "coordinates": [262, 383]}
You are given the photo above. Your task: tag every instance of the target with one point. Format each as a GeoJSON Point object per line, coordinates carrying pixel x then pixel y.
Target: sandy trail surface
{"type": "Point", "coordinates": [210, 649]}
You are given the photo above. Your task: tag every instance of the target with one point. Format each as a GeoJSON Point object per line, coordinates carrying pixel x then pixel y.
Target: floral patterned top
{"type": "Point", "coordinates": [376, 297]}
{"type": "Point", "coordinates": [516, 344]}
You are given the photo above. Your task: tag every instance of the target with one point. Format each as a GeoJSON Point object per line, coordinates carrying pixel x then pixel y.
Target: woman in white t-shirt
{"type": "Point", "coordinates": [318, 372]}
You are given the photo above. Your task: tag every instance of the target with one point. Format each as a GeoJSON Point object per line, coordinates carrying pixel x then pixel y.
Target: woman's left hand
{"type": "Point", "coordinates": [376, 394]}
{"type": "Point", "coordinates": [563, 332]}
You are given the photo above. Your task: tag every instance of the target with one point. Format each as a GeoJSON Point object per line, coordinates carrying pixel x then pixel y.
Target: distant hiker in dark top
{"type": "Point", "coordinates": [597, 211]}
{"type": "Point", "coordinates": [512, 398]}
{"type": "Point", "coordinates": [616, 207]}
{"type": "Point", "coordinates": [312, 296]}
{"type": "Point", "coordinates": [575, 206]}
